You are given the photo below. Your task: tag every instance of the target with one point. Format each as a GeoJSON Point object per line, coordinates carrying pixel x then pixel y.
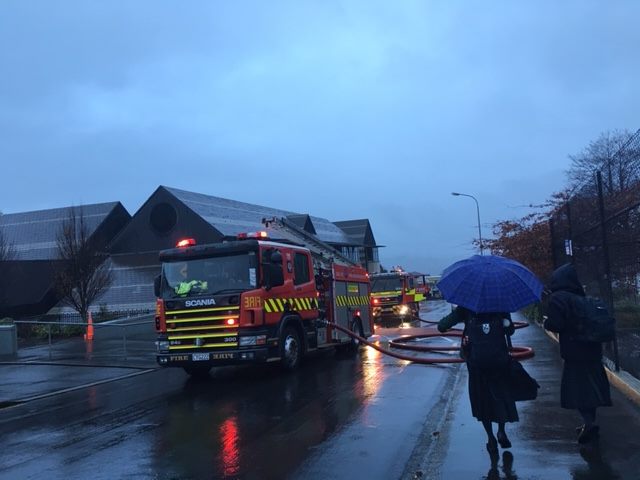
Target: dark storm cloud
{"type": "Point", "coordinates": [341, 109]}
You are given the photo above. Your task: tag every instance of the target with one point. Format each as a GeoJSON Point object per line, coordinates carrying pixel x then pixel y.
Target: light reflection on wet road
{"type": "Point", "coordinates": [338, 416]}
{"type": "Point", "coordinates": [241, 423]}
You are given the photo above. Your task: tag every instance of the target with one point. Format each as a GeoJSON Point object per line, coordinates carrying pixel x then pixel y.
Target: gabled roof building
{"type": "Point", "coordinates": [362, 244]}
{"type": "Point", "coordinates": [171, 214]}
{"type": "Point", "coordinates": [33, 235]}
{"type": "Point", "coordinates": [33, 240]}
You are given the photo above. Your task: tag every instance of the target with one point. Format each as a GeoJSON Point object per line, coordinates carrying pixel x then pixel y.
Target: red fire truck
{"type": "Point", "coordinates": [396, 296]}
{"type": "Point", "coordinates": [263, 297]}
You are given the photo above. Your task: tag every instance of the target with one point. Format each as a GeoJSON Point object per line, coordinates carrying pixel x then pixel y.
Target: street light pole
{"type": "Point", "coordinates": [456, 194]}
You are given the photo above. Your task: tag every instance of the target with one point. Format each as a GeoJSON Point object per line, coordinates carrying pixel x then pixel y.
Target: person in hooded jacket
{"type": "Point", "coordinates": [584, 386]}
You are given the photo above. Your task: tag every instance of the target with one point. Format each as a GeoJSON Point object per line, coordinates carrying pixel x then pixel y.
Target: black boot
{"type": "Point", "coordinates": [503, 440]}
{"type": "Point", "coordinates": [588, 433]}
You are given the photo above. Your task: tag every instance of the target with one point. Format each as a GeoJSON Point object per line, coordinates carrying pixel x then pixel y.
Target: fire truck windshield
{"type": "Point", "coordinates": [209, 276]}
{"type": "Point", "coordinates": [389, 284]}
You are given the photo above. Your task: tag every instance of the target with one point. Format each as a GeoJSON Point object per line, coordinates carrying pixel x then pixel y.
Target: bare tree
{"type": "Point", "coordinates": [616, 154]}
{"type": "Point", "coordinates": [83, 275]}
{"type": "Point", "coordinates": [7, 252]}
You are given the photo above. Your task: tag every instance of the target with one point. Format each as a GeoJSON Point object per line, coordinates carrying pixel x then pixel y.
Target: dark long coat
{"type": "Point", "coordinates": [584, 381]}
{"type": "Point", "coordinates": [490, 393]}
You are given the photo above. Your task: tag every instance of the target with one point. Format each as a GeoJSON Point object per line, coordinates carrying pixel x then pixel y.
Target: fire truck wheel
{"type": "Point", "coordinates": [290, 348]}
{"type": "Point", "coordinates": [198, 371]}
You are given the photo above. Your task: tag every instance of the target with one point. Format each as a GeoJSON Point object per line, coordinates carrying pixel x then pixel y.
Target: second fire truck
{"type": "Point", "coordinates": [270, 296]}
{"type": "Point", "coordinates": [396, 296]}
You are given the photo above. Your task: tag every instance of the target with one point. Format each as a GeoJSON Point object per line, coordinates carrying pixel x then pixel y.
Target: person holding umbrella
{"type": "Point", "coordinates": [485, 289]}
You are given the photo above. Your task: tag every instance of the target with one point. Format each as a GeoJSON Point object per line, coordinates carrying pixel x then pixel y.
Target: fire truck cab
{"type": "Point", "coordinates": [254, 300]}
{"type": "Point", "coordinates": [395, 297]}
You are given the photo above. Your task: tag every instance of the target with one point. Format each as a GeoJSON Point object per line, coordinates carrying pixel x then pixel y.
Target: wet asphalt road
{"type": "Point", "coordinates": [338, 417]}
{"type": "Point", "coordinates": [364, 412]}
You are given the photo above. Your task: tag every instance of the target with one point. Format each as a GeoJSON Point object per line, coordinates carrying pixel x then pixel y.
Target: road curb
{"type": "Point", "coordinates": [421, 462]}
{"type": "Point", "coordinates": [622, 380]}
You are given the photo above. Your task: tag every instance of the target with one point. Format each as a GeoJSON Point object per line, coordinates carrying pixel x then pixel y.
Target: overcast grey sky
{"type": "Point", "coordinates": [343, 109]}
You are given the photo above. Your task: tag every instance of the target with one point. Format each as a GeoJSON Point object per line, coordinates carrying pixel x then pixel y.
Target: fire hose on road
{"type": "Point", "coordinates": [517, 352]}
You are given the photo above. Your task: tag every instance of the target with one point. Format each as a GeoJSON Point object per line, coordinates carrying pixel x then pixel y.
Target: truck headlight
{"type": "Point", "coordinates": [404, 309]}
{"type": "Point", "coordinates": [163, 346]}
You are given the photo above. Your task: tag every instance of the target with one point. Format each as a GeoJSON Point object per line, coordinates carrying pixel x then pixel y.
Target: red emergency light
{"type": "Point", "coordinates": [261, 234]}
{"type": "Point", "coordinates": [186, 242]}
{"type": "Point", "coordinates": [376, 301]}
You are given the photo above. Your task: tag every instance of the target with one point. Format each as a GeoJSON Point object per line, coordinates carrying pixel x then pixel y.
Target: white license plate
{"type": "Point", "coordinates": [198, 357]}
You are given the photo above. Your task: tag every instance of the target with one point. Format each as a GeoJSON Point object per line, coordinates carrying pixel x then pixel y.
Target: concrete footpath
{"type": "Point", "coordinates": [117, 351]}
{"type": "Point", "coordinates": [544, 440]}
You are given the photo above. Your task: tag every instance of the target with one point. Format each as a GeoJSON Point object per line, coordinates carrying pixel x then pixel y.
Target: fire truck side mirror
{"type": "Point", "coordinates": [156, 286]}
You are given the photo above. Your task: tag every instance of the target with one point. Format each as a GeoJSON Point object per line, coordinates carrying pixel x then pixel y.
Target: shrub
{"type": "Point", "coordinates": [41, 331]}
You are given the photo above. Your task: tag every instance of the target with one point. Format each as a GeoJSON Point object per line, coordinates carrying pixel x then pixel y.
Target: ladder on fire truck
{"type": "Point", "coordinates": [322, 252]}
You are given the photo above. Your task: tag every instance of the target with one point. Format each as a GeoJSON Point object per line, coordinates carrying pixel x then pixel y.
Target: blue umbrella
{"type": "Point", "coordinates": [490, 283]}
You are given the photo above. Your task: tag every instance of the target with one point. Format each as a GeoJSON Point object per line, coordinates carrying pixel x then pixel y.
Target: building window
{"type": "Point", "coordinates": [163, 218]}
{"type": "Point", "coordinates": [350, 253]}
{"type": "Point", "coordinates": [301, 269]}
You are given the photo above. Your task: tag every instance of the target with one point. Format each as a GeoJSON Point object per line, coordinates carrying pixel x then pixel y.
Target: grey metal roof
{"type": "Point", "coordinates": [329, 232]}
{"type": "Point", "coordinates": [302, 221]}
{"type": "Point", "coordinates": [34, 234]}
{"type": "Point", "coordinates": [357, 231]}
{"type": "Point", "coordinates": [231, 217]}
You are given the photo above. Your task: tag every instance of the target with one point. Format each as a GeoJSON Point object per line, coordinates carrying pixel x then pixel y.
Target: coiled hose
{"type": "Point", "coordinates": [519, 353]}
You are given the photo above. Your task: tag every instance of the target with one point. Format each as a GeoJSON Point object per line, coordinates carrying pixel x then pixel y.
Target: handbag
{"type": "Point", "coordinates": [523, 386]}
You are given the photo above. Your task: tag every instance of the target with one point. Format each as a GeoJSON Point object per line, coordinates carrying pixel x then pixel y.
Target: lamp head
{"type": "Point", "coordinates": [455, 194]}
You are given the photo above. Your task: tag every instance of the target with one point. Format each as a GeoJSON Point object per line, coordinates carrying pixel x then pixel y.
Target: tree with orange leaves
{"type": "Point", "coordinates": [528, 239]}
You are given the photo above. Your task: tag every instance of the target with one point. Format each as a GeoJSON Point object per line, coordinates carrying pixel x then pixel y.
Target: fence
{"type": "Point", "coordinates": [598, 230]}
{"type": "Point", "coordinates": [71, 317]}
{"type": "Point", "coordinates": [131, 340]}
